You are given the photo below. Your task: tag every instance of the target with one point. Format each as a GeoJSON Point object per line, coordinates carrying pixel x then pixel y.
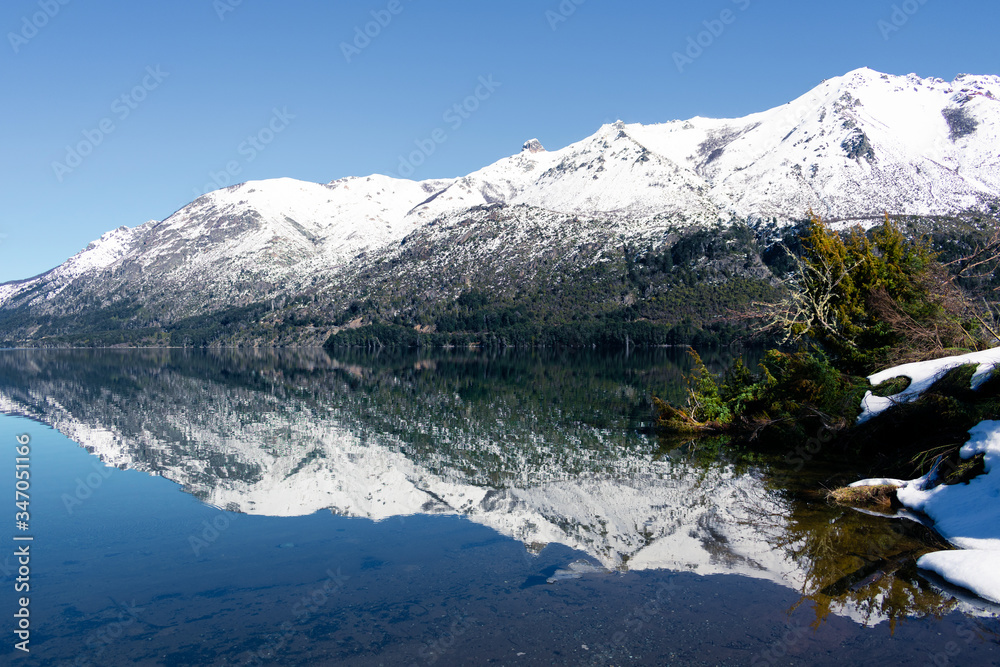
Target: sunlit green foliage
{"type": "Point", "coordinates": [860, 302]}
{"type": "Point", "coordinates": [791, 395]}
{"type": "Point", "coordinates": [874, 300]}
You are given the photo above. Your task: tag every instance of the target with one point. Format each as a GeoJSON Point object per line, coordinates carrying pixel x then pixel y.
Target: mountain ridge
{"type": "Point", "coordinates": [853, 147]}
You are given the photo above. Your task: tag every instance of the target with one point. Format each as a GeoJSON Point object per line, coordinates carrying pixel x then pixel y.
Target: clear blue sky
{"type": "Point", "coordinates": [222, 68]}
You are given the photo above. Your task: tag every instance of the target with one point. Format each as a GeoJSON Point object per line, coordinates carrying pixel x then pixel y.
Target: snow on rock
{"type": "Point", "coordinates": [974, 569]}
{"type": "Point", "coordinates": [100, 253]}
{"type": "Point", "coordinates": [291, 221]}
{"type": "Point", "coordinates": [852, 147]}
{"type": "Point", "coordinates": [880, 481]}
{"type": "Point", "coordinates": [533, 146]}
{"type": "Point", "coordinates": [923, 374]}
{"type": "Point", "coordinates": [968, 515]}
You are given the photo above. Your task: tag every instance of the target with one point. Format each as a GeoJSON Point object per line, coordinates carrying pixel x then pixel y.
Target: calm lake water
{"type": "Point", "coordinates": [462, 508]}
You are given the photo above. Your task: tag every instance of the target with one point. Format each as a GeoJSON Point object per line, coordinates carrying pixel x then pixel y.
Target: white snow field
{"type": "Point", "coordinates": [852, 148]}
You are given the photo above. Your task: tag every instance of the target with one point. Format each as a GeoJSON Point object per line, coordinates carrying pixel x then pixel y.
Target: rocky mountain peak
{"type": "Point", "coordinates": [532, 146]}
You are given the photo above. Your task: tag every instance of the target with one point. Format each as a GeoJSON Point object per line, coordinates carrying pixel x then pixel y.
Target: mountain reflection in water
{"type": "Point", "coordinates": [541, 447]}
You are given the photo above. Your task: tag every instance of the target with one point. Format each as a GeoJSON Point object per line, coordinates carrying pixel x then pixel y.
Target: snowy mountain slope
{"type": "Point", "coordinates": [607, 173]}
{"type": "Point", "coordinates": [853, 147]}
{"type": "Point", "coordinates": [283, 226]}
{"type": "Point", "coordinates": [237, 242]}
{"type": "Point", "coordinates": [856, 145]}
{"type": "Point", "coordinates": [98, 256]}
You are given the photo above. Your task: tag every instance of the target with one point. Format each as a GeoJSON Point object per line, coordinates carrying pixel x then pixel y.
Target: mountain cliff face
{"type": "Point", "coordinates": [283, 260]}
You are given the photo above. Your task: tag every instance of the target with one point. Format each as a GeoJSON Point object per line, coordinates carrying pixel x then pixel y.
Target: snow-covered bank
{"type": "Point", "coordinates": [922, 375]}
{"type": "Point", "coordinates": [975, 569]}
{"type": "Point", "coordinates": [967, 515]}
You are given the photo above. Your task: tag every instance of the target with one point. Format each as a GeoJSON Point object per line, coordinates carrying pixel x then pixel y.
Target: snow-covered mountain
{"type": "Point", "coordinates": [853, 147]}
{"type": "Point", "coordinates": [856, 145]}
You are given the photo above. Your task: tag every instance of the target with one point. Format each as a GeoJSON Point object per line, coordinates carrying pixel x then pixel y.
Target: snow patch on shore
{"type": "Point", "coordinates": [975, 569]}
{"type": "Point", "coordinates": [923, 374]}
{"type": "Point", "coordinates": [967, 515]}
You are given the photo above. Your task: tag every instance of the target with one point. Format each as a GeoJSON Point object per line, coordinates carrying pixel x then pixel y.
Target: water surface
{"type": "Point", "coordinates": [203, 508]}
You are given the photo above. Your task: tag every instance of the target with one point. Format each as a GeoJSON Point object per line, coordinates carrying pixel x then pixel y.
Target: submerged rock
{"type": "Point", "coordinates": [577, 569]}
{"type": "Point", "coordinates": [876, 497]}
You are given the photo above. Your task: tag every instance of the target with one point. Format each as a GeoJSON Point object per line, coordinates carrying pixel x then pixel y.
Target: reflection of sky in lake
{"type": "Point", "coordinates": [471, 467]}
